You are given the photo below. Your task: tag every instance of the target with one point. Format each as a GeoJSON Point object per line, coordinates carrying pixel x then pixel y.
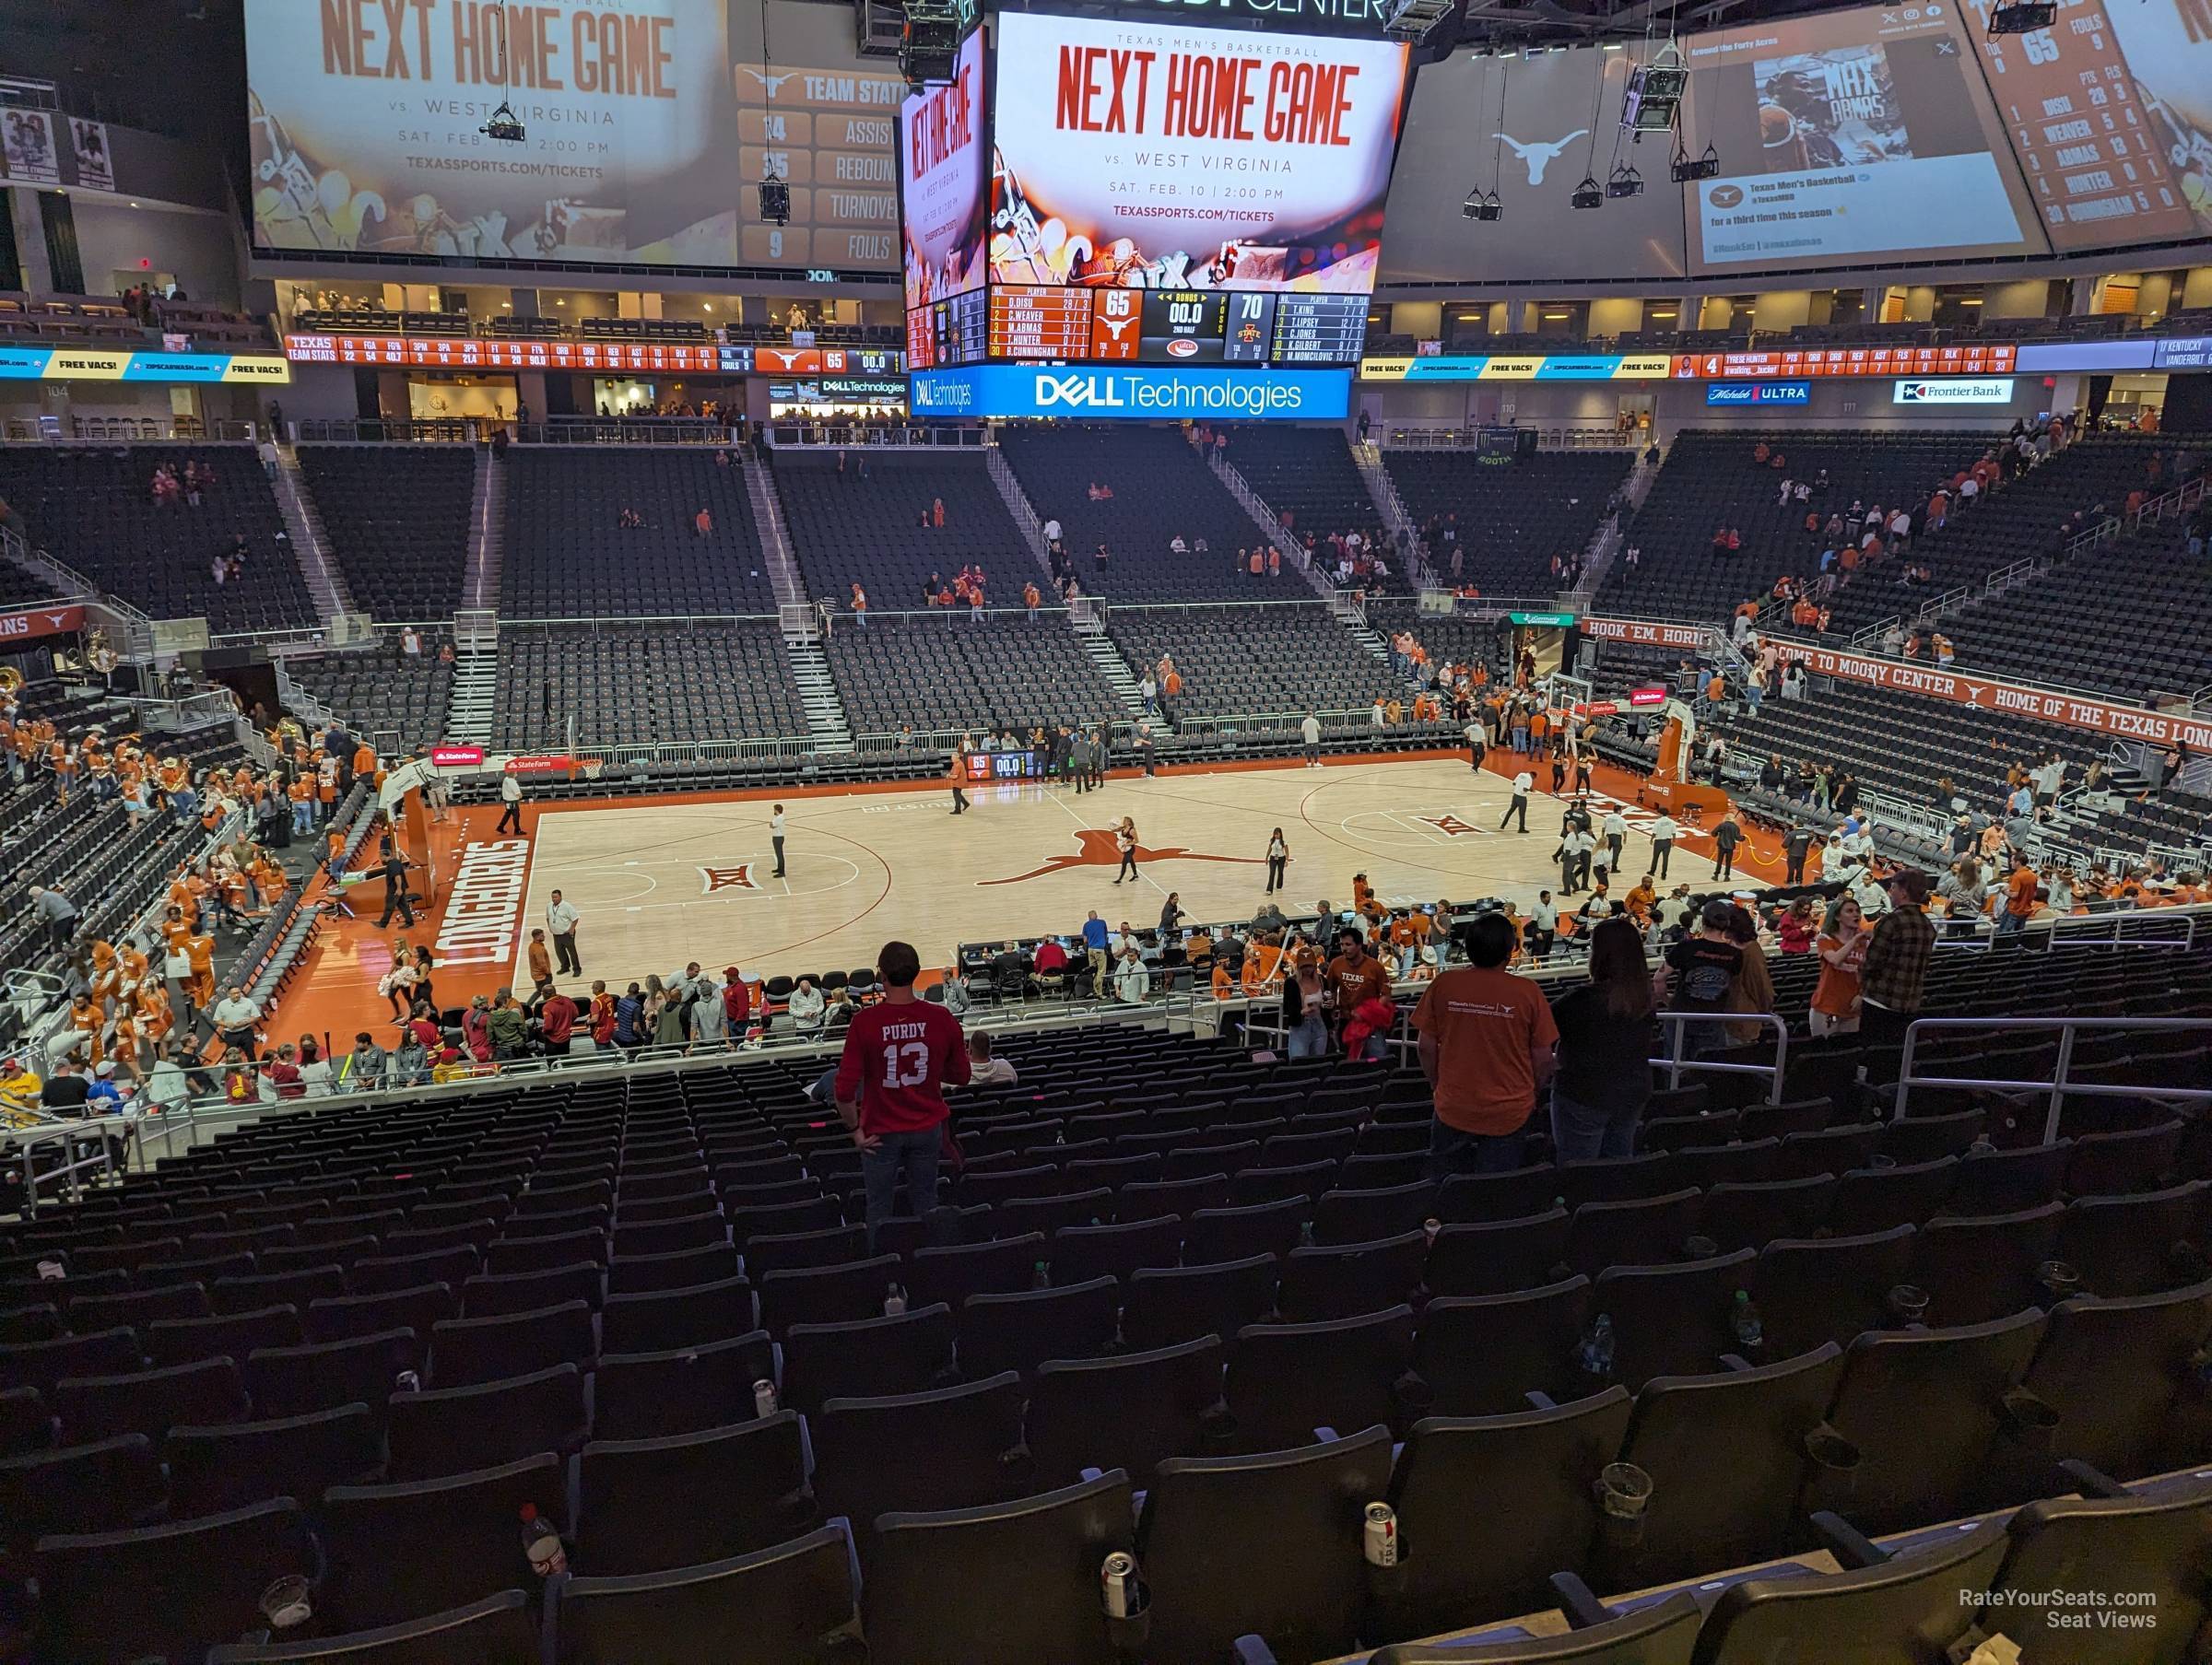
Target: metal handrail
{"type": "Point", "coordinates": [2058, 1086]}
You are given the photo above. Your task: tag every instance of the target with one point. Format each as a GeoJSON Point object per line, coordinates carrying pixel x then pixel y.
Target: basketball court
{"type": "Point", "coordinates": [658, 884]}
{"type": "Point", "coordinates": [663, 881]}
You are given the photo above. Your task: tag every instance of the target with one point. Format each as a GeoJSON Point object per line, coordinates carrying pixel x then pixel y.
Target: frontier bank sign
{"type": "Point", "coordinates": [1130, 392]}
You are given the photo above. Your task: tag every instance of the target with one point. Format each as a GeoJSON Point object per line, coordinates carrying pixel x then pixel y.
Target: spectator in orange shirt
{"type": "Point", "coordinates": [2019, 899]}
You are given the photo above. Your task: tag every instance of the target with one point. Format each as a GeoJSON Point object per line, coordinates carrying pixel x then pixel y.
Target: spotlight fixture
{"type": "Point", "coordinates": [1587, 194]}
{"type": "Point", "coordinates": [1655, 91]}
{"type": "Point", "coordinates": [1416, 20]}
{"type": "Point", "coordinates": [2022, 16]}
{"type": "Point", "coordinates": [929, 41]}
{"type": "Point", "coordinates": [503, 125]}
{"type": "Point", "coordinates": [1482, 204]}
{"type": "Point", "coordinates": [1702, 168]}
{"type": "Point", "coordinates": [775, 202]}
{"type": "Point", "coordinates": [1624, 181]}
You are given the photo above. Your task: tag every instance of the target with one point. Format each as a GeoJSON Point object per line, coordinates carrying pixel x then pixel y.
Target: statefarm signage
{"type": "Point", "coordinates": [2073, 711]}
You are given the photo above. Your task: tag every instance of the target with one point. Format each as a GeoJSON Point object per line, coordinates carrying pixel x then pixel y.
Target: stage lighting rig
{"type": "Point", "coordinates": [1655, 92]}
{"type": "Point", "coordinates": [503, 125]}
{"type": "Point", "coordinates": [929, 42]}
{"type": "Point", "coordinates": [1416, 20]}
{"type": "Point", "coordinates": [1687, 167]}
{"type": "Point", "coordinates": [1482, 204]}
{"type": "Point", "coordinates": [1624, 181]}
{"type": "Point", "coordinates": [1587, 194]}
{"type": "Point", "coordinates": [775, 200]}
{"type": "Point", "coordinates": [2022, 17]}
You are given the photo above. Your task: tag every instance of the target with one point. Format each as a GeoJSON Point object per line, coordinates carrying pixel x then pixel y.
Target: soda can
{"type": "Point", "coordinates": [764, 1398]}
{"type": "Point", "coordinates": [1118, 1577]}
{"type": "Point", "coordinates": [1381, 1540]}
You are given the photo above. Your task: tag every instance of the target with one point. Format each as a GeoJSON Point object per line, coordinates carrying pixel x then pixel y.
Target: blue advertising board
{"type": "Point", "coordinates": [1132, 392]}
{"type": "Point", "coordinates": [1758, 393]}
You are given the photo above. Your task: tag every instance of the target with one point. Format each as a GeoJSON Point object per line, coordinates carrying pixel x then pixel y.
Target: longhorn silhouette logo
{"type": "Point", "coordinates": [1540, 156]}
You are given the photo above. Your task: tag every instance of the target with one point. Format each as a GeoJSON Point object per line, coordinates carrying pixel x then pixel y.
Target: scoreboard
{"type": "Point", "coordinates": [948, 333]}
{"type": "Point", "coordinates": [1183, 326]}
{"type": "Point", "coordinates": [1319, 329]}
{"type": "Point", "coordinates": [1036, 321]}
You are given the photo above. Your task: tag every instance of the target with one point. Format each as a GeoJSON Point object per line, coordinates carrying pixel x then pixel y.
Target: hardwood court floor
{"type": "Point", "coordinates": [661, 885]}
{"type": "Point", "coordinates": [661, 881]}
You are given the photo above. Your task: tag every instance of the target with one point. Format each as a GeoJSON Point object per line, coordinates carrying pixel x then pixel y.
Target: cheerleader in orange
{"type": "Point", "coordinates": [130, 965]}
{"type": "Point", "coordinates": [125, 1042]}
{"type": "Point", "coordinates": [107, 976]}
{"type": "Point", "coordinates": [63, 762]}
{"type": "Point", "coordinates": [154, 1015]}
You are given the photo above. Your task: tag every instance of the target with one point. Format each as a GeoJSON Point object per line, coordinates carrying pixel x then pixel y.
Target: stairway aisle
{"type": "Point", "coordinates": [311, 548]}
{"type": "Point", "coordinates": [487, 533]}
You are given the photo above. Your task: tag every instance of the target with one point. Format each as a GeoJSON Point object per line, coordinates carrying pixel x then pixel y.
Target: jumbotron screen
{"type": "Point", "coordinates": [647, 125]}
{"type": "Point", "coordinates": [1156, 155]}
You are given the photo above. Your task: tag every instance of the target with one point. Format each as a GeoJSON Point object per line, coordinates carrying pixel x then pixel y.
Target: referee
{"type": "Point", "coordinates": [775, 834]}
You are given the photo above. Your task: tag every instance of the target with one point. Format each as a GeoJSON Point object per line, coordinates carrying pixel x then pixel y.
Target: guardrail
{"type": "Point", "coordinates": [841, 436]}
{"type": "Point", "coordinates": [2061, 1082]}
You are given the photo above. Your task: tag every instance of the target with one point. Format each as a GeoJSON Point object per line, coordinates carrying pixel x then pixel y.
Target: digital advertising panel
{"type": "Point", "coordinates": [942, 154]}
{"type": "Point", "coordinates": [1537, 148]}
{"type": "Point", "coordinates": [1131, 392]}
{"type": "Point", "coordinates": [1850, 137]}
{"type": "Point", "coordinates": [1133, 154]}
{"type": "Point", "coordinates": [647, 125]}
{"type": "Point", "coordinates": [2110, 112]}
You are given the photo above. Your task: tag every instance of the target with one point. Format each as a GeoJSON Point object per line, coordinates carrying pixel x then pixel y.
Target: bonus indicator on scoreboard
{"type": "Point", "coordinates": [1032, 321]}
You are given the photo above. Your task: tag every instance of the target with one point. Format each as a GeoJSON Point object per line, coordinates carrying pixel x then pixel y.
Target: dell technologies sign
{"type": "Point", "coordinates": [1955, 389]}
{"type": "Point", "coordinates": [1758, 393]}
{"type": "Point", "coordinates": [1135, 393]}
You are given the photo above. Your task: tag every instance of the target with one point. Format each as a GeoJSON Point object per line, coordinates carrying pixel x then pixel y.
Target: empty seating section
{"type": "Point", "coordinates": [92, 507]}
{"type": "Point", "coordinates": [398, 519]}
{"type": "Point", "coordinates": [360, 1342]}
{"type": "Point", "coordinates": [633, 684]}
{"type": "Point", "coordinates": [848, 527]}
{"type": "Point", "coordinates": [2131, 616]}
{"type": "Point", "coordinates": [1162, 490]}
{"type": "Point", "coordinates": [1512, 515]}
{"type": "Point", "coordinates": [568, 556]}
{"type": "Point", "coordinates": [384, 692]}
{"type": "Point", "coordinates": [20, 584]}
{"type": "Point", "coordinates": [1290, 658]}
{"type": "Point", "coordinates": [1709, 481]}
{"type": "Point", "coordinates": [946, 673]}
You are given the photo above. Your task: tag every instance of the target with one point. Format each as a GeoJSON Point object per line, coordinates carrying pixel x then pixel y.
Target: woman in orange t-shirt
{"type": "Point", "coordinates": [1843, 950]}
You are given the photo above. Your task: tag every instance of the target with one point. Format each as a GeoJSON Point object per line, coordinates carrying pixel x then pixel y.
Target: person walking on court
{"type": "Point", "coordinates": [1616, 830]}
{"type": "Point", "coordinates": [1308, 732]}
{"type": "Point", "coordinates": [775, 836]}
{"type": "Point", "coordinates": [1795, 848]}
{"type": "Point", "coordinates": [395, 871]}
{"type": "Point", "coordinates": [1725, 838]}
{"type": "Point", "coordinates": [511, 794]}
{"type": "Point", "coordinates": [1518, 804]}
{"type": "Point", "coordinates": [960, 772]}
{"type": "Point", "coordinates": [1664, 833]}
{"type": "Point", "coordinates": [901, 1054]}
{"type": "Point", "coordinates": [1278, 857]}
{"type": "Point", "coordinates": [562, 919]}
{"type": "Point", "coordinates": [1477, 744]}
{"type": "Point", "coordinates": [1124, 840]}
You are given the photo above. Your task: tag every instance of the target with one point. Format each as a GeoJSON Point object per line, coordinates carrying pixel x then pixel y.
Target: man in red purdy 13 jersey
{"type": "Point", "coordinates": [900, 1056]}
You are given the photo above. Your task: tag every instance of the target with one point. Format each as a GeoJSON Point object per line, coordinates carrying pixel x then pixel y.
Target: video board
{"type": "Point", "coordinates": [1156, 155]}
{"type": "Point", "coordinates": [942, 200]}
{"type": "Point", "coordinates": [647, 125]}
{"type": "Point", "coordinates": [2110, 112]}
{"type": "Point", "coordinates": [1531, 128]}
{"type": "Point", "coordinates": [1848, 138]}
